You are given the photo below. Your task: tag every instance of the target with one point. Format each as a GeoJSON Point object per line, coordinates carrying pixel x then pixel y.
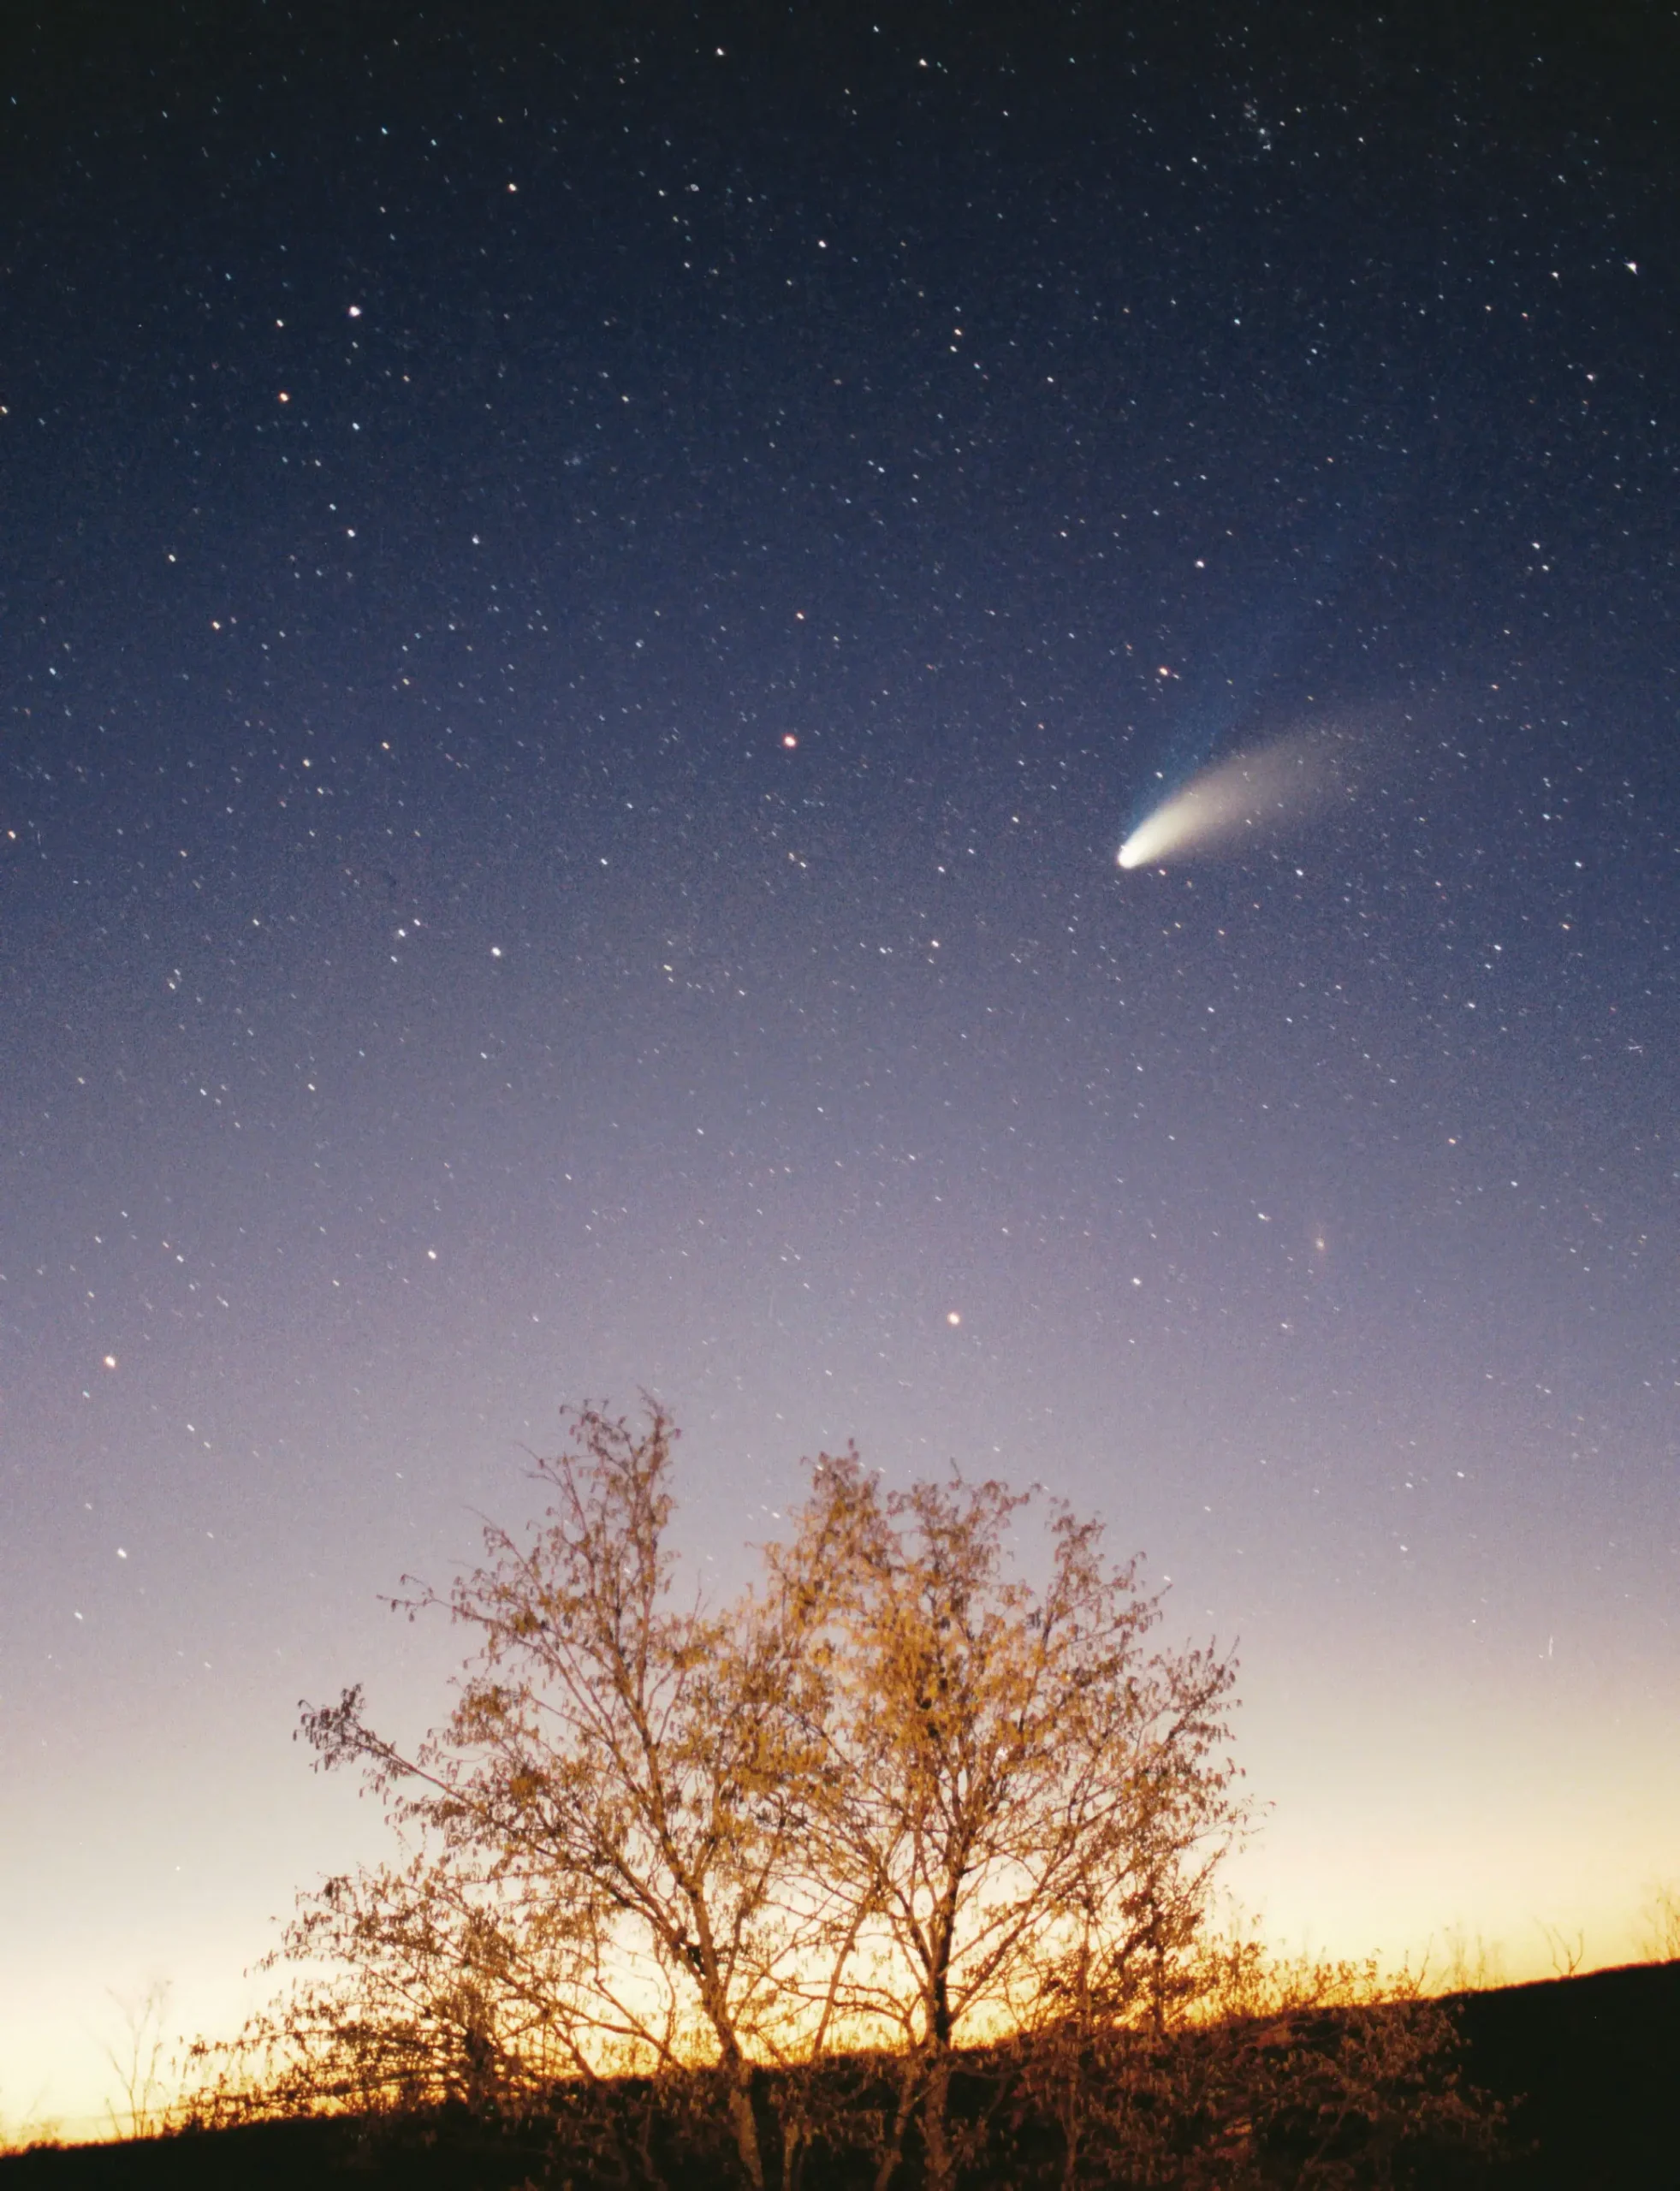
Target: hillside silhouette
{"type": "Point", "coordinates": [1584, 2065]}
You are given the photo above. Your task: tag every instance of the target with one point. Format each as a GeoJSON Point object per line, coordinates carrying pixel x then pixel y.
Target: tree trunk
{"type": "Point", "coordinates": [942, 2172]}
{"type": "Point", "coordinates": [892, 2150]}
{"type": "Point", "coordinates": [745, 2122]}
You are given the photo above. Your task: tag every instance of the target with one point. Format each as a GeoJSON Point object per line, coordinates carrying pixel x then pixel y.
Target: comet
{"type": "Point", "coordinates": [1239, 799]}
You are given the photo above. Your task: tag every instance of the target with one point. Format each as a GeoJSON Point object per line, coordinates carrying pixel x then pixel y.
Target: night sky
{"type": "Point", "coordinates": [586, 599]}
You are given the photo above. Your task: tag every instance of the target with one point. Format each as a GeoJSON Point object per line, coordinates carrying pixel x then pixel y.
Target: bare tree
{"type": "Point", "coordinates": [1472, 1967]}
{"type": "Point", "coordinates": [1662, 1924]}
{"type": "Point", "coordinates": [139, 2060]}
{"type": "Point", "coordinates": [1567, 1955]}
{"type": "Point", "coordinates": [30, 2130]}
{"type": "Point", "coordinates": [607, 1870]}
{"type": "Point", "coordinates": [1020, 1802]}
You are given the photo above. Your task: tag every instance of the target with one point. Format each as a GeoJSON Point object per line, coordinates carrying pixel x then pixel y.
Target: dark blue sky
{"type": "Point", "coordinates": [583, 613]}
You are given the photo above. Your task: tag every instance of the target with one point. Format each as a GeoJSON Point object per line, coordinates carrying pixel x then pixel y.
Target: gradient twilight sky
{"type": "Point", "coordinates": [583, 612]}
